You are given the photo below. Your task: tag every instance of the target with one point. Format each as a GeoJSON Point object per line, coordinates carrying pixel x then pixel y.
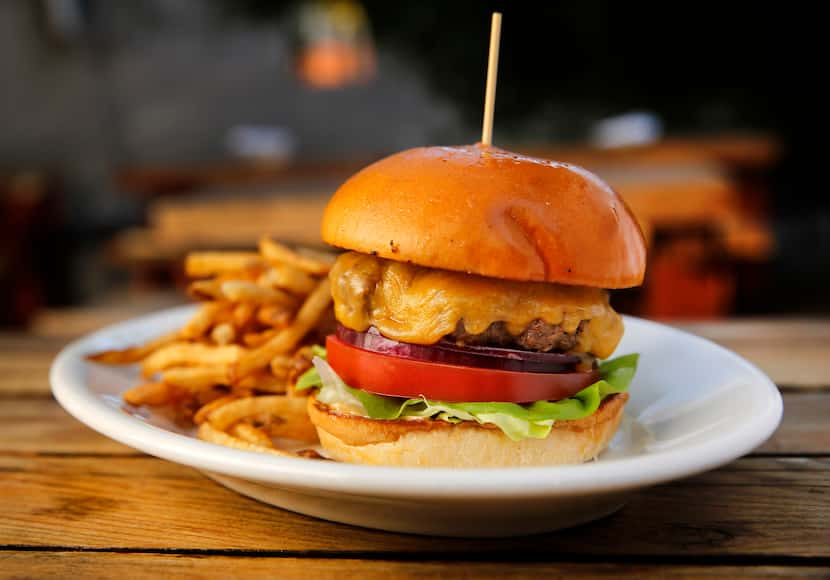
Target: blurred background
{"type": "Point", "coordinates": [132, 132]}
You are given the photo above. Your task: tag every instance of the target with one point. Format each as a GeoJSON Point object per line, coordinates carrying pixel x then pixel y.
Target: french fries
{"type": "Point", "coordinates": [189, 354]}
{"type": "Point", "coordinates": [133, 354]}
{"type": "Point", "coordinates": [223, 334]}
{"type": "Point", "coordinates": [288, 278]}
{"type": "Point", "coordinates": [251, 434]}
{"type": "Point", "coordinates": [153, 394]}
{"type": "Point", "coordinates": [274, 317]}
{"type": "Point", "coordinates": [286, 340]}
{"type": "Point", "coordinates": [195, 379]}
{"type": "Point", "coordinates": [201, 415]}
{"type": "Point", "coordinates": [202, 264]}
{"type": "Point", "coordinates": [213, 435]}
{"type": "Point", "coordinates": [207, 315]}
{"type": "Point", "coordinates": [263, 381]}
{"type": "Point", "coordinates": [279, 255]}
{"type": "Point", "coordinates": [281, 416]}
{"type": "Point", "coordinates": [253, 293]}
{"type": "Point", "coordinates": [242, 314]}
{"type": "Point", "coordinates": [229, 369]}
{"type": "Point", "coordinates": [255, 339]}
{"type": "Point", "coordinates": [205, 290]}
{"type": "Point", "coordinates": [281, 365]}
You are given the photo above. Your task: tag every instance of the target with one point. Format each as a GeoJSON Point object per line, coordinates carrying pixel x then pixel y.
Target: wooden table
{"type": "Point", "coordinates": [73, 503]}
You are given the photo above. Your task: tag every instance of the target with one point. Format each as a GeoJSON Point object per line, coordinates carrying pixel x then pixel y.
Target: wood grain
{"type": "Point", "coordinates": [792, 352]}
{"type": "Point", "coordinates": [141, 503]}
{"type": "Point", "coordinates": [24, 364]}
{"type": "Point", "coordinates": [40, 426]}
{"type": "Point", "coordinates": [805, 427]}
{"type": "Point", "coordinates": [115, 565]}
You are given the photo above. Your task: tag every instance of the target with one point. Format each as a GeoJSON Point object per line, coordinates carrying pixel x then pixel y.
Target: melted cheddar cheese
{"type": "Point", "coordinates": [421, 305]}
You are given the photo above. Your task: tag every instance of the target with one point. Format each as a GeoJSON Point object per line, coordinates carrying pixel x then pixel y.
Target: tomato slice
{"type": "Point", "coordinates": [383, 374]}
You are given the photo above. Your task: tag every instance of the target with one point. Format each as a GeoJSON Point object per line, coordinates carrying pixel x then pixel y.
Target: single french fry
{"type": "Point", "coordinates": [273, 385]}
{"type": "Point", "coordinates": [196, 378]}
{"type": "Point", "coordinates": [152, 394]}
{"type": "Point", "coordinates": [274, 316]}
{"type": "Point", "coordinates": [133, 354]}
{"type": "Point", "coordinates": [263, 381]}
{"type": "Point", "coordinates": [259, 408]}
{"type": "Point", "coordinates": [287, 339]}
{"type": "Point", "coordinates": [256, 339]}
{"type": "Point", "coordinates": [290, 418]}
{"type": "Point", "coordinates": [277, 255]}
{"type": "Point", "coordinates": [209, 433]}
{"type": "Point", "coordinates": [245, 291]}
{"type": "Point", "coordinates": [204, 396]}
{"type": "Point", "coordinates": [288, 278]}
{"type": "Point", "coordinates": [223, 334]}
{"type": "Point", "coordinates": [202, 264]}
{"type": "Point", "coordinates": [251, 434]}
{"type": "Point", "coordinates": [201, 322]}
{"type": "Point", "coordinates": [242, 314]}
{"type": "Point", "coordinates": [226, 416]}
{"type": "Point", "coordinates": [190, 354]}
{"type": "Point", "coordinates": [205, 290]}
{"type": "Point", "coordinates": [205, 410]}
{"type": "Point", "coordinates": [298, 427]}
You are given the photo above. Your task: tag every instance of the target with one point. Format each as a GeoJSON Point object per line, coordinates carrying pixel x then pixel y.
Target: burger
{"type": "Point", "coordinates": [474, 324]}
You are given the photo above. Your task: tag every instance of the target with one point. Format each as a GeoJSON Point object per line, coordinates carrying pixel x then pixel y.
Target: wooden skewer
{"type": "Point", "coordinates": [492, 74]}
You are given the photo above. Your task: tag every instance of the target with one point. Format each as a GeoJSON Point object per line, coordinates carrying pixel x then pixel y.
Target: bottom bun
{"type": "Point", "coordinates": [434, 443]}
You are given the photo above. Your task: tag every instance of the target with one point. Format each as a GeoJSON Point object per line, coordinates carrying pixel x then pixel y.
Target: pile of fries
{"type": "Point", "coordinates": [231, 368]}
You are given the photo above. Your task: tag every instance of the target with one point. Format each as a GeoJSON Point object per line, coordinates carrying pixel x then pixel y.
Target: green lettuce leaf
{"type": "Point", "coordinates": [517, 421]}
{"type": "Point", "coordinates": [311, 378]}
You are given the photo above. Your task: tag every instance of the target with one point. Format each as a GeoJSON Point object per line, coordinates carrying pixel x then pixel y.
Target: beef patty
{"type": "Point", "coordinates": [538, 335]}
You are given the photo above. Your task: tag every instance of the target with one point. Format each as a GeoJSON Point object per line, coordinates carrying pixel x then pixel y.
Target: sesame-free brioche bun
{"type": "Point", "coordinates": [482, 210]}
{"type": "Point", "coordinates": [435, 443]}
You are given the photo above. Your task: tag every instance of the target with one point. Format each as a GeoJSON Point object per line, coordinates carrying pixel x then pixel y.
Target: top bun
{"type": "Point", "coordinates": [486, 211]}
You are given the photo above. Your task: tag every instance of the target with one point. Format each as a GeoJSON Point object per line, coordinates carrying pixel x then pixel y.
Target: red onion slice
{"type": "Point", "coordinates": [473, 356]}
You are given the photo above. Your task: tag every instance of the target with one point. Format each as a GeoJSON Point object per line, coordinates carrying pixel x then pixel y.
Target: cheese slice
{"type": "Point", "coordinates": [421, 305]}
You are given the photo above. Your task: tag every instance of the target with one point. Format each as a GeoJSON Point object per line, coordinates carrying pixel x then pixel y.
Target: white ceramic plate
{"type": "Point", "coordinates": [694, 406]}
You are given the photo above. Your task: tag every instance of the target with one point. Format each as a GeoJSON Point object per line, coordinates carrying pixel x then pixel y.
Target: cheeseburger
{"type": "Point", "coordinates": [474, 325]}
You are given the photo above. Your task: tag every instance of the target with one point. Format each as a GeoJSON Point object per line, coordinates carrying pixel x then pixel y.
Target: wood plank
{"type": "Point", "coordinates": [113, 565]}
{"type": "Point", "coordinates": [15, 343]}
{"type": "Point", "coordinates": [757, 507]}
{"type": "Point", "coordinates": [805, 427]}
{"type": "Point", "coordinates": [792, 352]}
{"type": "Point", "coordinates": [40, 426]}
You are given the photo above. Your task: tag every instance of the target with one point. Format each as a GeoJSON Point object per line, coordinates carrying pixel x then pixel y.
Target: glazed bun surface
{"type": "Point", "coordinates": [433, 443]}
{"type": "Point", "coordinates": [486, 211]}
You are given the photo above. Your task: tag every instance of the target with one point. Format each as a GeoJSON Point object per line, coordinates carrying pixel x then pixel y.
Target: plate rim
{"type": "Point", "coordinates": [405, 482]}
